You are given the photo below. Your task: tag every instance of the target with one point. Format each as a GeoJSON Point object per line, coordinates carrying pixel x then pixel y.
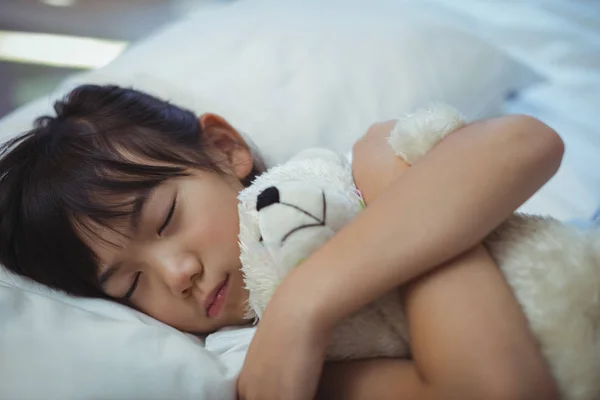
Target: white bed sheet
{"type": "Point", "coordinates": [559, 39]}
{"type": "Point", "coordinates": [574, 193]}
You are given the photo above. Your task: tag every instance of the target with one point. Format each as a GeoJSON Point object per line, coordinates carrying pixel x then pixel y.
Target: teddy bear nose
{"type": "Point", "coordinates": [267, 197]}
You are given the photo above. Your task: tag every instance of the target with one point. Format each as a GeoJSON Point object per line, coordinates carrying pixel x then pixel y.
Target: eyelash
{"type": "Point", "coordinates": [168, 218]}
{"type": "Point", "coordinates": [133, 286]}
{"type": "Point", "coordinates": [165, 224]}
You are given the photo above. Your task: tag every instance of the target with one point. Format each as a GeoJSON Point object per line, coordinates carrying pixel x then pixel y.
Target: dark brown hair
{"type": "Point", "coordinates": [79, 163]}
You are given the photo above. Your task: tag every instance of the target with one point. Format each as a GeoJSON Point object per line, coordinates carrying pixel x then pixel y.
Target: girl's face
{"type": "Point", "coordinates": [180, 263]}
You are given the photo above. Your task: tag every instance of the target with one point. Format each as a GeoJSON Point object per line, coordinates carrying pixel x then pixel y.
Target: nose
{"type": "Point", "coordinates": [267, 197]}
{"type": "Point", "coordinates": [180, 273]}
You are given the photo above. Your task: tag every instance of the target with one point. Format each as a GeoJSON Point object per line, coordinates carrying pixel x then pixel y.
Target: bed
{"type": "Point", "coordinates": [320, 71]}
{"type": "Point", "coordinates": [561, 41]}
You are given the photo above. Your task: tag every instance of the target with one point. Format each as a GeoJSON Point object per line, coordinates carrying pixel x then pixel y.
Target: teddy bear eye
{"type": "Point", "coordinates": [260, 239]}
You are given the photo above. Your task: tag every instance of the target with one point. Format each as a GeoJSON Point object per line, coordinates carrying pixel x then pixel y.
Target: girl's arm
{"type": "Point", "coordinates": [470, 341]}
{"type": "Point", "coordinates": [441, 207]}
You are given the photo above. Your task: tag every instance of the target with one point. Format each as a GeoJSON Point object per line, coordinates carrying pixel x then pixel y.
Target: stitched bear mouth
{"type": "Point", "coordinates": [318, 221]}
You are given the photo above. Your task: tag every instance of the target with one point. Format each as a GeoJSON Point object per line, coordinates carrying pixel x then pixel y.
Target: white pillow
{"type": "Point", "coordinates": [290, 75]}
{"type": "Point", "coordinates": [54, 346]}
{"type": "Point", "coordinates": [295, 75]}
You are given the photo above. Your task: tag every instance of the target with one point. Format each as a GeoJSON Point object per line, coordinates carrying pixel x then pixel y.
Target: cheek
{"type": "Point", "coordinates": [220, 228]}
{"type": "Point", "coordinates": [176, 313]}
{"type": "Point", "coordinates": [238, 299]}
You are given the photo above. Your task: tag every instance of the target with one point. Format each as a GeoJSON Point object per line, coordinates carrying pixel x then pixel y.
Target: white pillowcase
{"type": "Point", "coordinates": [56, 347]}
{"type": "Point", "coordinates": [294, 75]}
{"type": "Point", "coordinates": [291, 76]}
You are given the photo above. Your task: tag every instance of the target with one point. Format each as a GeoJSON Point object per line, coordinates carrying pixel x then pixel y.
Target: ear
{"type": "Point", "coordinates": [231, 150]}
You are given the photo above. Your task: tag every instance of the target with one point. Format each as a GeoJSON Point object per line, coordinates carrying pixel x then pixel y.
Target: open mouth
{"type": "Point", "coordinates": [216, 300]}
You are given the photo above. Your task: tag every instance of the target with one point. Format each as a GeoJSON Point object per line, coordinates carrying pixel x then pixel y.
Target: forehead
{"type": "Point", "coordinates": [103, 238]}
{"type": "Point", "coordinates": [111, 222]}
{"type": "Point", "coordinates": [115, 219]}
{"type": "Point", "coordinates": [108, 200]}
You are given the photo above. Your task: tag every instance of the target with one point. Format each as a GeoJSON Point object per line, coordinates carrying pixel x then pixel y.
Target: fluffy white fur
{"type": "Point", "coordinates": [553, 268]}
{"type": "Point", "coordinates": [415, 134]}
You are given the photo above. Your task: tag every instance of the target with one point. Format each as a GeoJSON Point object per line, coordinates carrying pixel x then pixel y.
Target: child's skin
{"type": "Point", "coordinates": [470, 339]}
{"type": "Point", "coordinates": [185, 245]}
{"type": "Point", "coordinates": [126, 196]}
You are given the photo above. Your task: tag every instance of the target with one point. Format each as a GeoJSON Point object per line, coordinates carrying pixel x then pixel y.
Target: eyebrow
{"type": "Point", "coordinates": [108, 273]}
{"type": "Point", "coordinates": [136, 214]}
{"type": "Point", "coordinates": [138, 206]}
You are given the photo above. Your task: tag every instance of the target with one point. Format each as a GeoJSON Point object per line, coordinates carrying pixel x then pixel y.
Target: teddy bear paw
{"type": "Point", "coordinates": [415, 134]}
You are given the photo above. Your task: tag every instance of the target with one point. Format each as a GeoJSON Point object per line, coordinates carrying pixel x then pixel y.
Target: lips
{"type": "Point", "coordinates": [216, 299]}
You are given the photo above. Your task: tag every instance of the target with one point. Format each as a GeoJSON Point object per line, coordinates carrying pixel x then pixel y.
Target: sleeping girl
{"type": "Point", "coordinates": [126, 197]}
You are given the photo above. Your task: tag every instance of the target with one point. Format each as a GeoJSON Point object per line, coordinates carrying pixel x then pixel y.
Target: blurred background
{"type": "Point", "coordinates": [81, 34]}
{"type": "Point", "coordinates": [323, 70]}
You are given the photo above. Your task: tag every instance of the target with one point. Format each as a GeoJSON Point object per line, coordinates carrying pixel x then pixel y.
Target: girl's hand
{"type": "Point", "coordinates": [286, 356]}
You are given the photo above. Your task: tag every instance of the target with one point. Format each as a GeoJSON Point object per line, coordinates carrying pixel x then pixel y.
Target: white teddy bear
{"type": "Point", "coordinates": [553, 268]}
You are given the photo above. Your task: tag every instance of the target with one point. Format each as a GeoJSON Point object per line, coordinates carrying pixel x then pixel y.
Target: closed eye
{"type": "Point", "coordinates": [133, 286]}
{"type": "Point", "coordinates": [168, 217]}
